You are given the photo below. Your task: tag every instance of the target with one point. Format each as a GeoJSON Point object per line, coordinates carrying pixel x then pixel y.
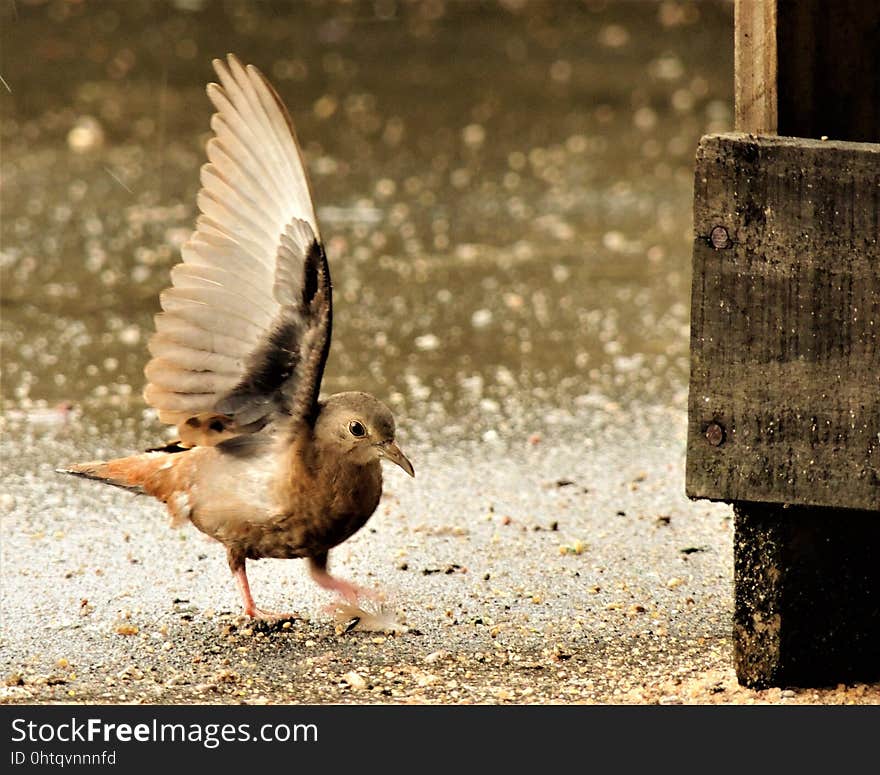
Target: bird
{"type": "Point", "coordinates": [261, 462]}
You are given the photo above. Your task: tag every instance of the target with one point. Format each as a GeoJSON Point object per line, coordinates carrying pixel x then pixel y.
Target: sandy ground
{"type": "Point", "coordinates": [567, 567]}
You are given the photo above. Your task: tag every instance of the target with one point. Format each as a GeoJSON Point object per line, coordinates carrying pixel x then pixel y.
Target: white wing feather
{"type": "Point", "coordinates": [239, 266]}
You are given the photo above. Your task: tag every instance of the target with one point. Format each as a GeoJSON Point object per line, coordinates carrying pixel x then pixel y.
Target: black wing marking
{"type": "Point", "coordinates": [284, 375]}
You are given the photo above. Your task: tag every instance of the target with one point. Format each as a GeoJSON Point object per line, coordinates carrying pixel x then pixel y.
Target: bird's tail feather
{"type": "Point", "coordinates": [96, 471]}
{"type": "Point", "coordinates": [137, 473]}
{"type": "Point", "coordinates": [152, 473]}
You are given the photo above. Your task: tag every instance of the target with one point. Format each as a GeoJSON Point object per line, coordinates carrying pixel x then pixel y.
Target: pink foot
{"type": "Point", "coordinates": [250, 608]}
{"type": "Point", "coordinates": [349, 592]}
{"type": "Point", "coordinates": [267, 616]}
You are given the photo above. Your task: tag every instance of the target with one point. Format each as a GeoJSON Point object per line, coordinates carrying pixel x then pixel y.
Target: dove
{"type": "Point", "coordinates": [262, 462]}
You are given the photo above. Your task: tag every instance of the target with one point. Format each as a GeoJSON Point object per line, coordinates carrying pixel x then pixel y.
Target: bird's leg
{"type": "Point", "coordinates": [350, 592]}
{"type": "Point", "coordinates": [244, 588]}
{"type": "Point", "coordinates": [237, 565]}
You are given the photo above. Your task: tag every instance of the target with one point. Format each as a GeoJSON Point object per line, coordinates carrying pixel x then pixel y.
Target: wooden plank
{"type": "Point", "coordinates": [784, 402]}
{"type": "Point", "coordinates": [754, 71]}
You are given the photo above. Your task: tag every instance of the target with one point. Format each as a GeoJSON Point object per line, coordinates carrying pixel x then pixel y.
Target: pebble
{"type": "Point", "coordinates": [355, 680]}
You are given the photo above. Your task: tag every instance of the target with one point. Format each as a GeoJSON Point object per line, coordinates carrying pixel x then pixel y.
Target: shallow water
{"type": "Point", "coordinates": [504, 189]}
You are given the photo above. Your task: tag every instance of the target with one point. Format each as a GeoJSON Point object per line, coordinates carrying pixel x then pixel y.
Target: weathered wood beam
{"type": "Point", "coordinates": [784, 402]}
{"type": "Point", "coordinates": [785, 327]}
{"type": "Point", "coordinates": [801, 308]}
{"type": "Point", "coordinates": [754, 71]}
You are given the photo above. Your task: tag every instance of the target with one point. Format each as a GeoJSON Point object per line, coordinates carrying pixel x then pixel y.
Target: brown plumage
{"type": "Point", "coordinates": [261, 464]}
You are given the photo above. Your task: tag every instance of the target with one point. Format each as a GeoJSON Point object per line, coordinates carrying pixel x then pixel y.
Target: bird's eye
{"type": "Point", "coordinates": [356, 429]}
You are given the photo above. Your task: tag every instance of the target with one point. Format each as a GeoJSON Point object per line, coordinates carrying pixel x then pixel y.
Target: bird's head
{"type": "Point", "coordinates": [362, 428]}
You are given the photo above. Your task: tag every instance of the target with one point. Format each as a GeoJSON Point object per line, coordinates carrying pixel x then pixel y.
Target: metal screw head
{"type": "Point", "coordinates": [715, 434]}
{"type": "Point", "coordinates": [720, 238]}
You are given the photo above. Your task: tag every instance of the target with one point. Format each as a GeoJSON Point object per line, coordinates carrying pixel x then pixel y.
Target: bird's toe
{"type": "Point", "coordinates": [270, 617]}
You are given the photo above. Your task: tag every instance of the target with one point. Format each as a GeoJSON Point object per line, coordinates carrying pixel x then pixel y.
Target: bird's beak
{"type": "Point", "coordinates": [391, 451]}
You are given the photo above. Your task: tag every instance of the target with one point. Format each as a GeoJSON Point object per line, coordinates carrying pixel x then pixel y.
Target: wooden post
{"type": "Point", "coordinates": [784, 411]}
{"type": "Point", "coordinates": [754, 73]}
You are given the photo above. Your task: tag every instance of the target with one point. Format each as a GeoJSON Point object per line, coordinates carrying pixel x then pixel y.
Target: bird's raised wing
{"type": "Point", "coordinates": [245, 327]}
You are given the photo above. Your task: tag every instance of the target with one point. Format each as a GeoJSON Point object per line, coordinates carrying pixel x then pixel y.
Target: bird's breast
{"type": "Point", "coordinates": [268, 507]}
{"type": "Point", "coordinates": [333, 503]}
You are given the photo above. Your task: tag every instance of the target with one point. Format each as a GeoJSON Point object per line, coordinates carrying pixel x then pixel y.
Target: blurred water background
{"type": "Point", "coordinates": [504, 188]}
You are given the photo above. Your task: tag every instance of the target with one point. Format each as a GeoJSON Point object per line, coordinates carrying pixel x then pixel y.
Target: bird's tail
{"type": "Point", "coordinates": [141, 474]}
{"type": "Point", "coordinates": [157, 473]}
